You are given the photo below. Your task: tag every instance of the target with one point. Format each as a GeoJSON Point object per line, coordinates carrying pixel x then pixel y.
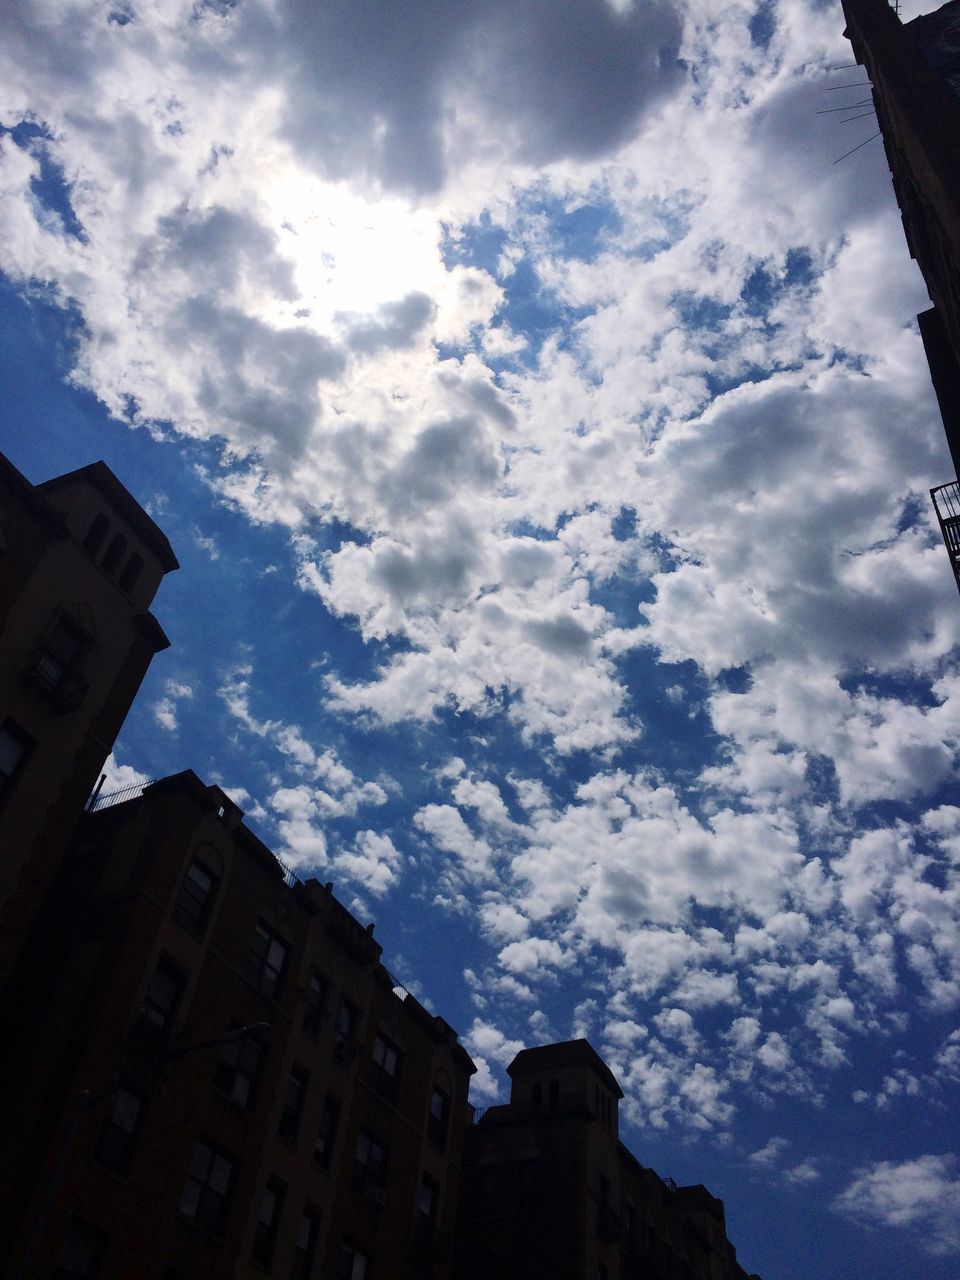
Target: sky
{"type": "Point", "coordinates": [534, 401]}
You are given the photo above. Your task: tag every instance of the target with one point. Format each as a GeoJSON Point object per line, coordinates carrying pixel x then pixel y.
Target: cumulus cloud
{"type": "Point", "coordinates": [923, 1194]}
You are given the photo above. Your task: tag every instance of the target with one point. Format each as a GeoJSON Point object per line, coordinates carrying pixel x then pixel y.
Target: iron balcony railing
{"type": "Point", "coordinates": [946, 503]}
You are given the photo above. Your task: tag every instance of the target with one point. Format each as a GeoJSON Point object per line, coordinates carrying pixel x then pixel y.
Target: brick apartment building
{"type": "Point", "coordinates": [551, 1193]}
{"type": "Point", "coordinates": [207, 1071]}
{"type": "Point", "coordinates": [80, 563]}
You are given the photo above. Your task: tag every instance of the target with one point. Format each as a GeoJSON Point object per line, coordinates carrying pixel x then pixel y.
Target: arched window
{"type": "Point", "coordinates": [114, 553]}
{"type": "Point", "coordinates": [96, 534]}
{"type": "Point", "coordinates": [131, 572]}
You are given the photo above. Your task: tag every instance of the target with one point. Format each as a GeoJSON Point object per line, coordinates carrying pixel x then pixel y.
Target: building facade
{"type": "Point", "coordinates": [207, 1072]}
{"type": "Point", "coordinates": [80, 564]}
{"type": "Point", "coordinates": [914, 71]}
{"type": "Point", "coordinates": [551, 1193]}
{"type": "Point", "coordinates": [231, 1081]}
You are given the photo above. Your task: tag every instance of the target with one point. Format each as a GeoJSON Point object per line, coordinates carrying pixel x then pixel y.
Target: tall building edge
{"type": "Point", "coordinates": [914, 71]}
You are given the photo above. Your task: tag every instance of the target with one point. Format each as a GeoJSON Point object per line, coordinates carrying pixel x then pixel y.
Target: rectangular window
{"type": "Point", "coordinates": [15, 747]}
{"type": "Point", "coordinates": [317, 991]}
{"type": "Point", "coordinates": [308, 1234]}
{"type": "Point", "coordinates": [197, 893]}
{"type": "Point", "coordinates": [370, 1167]}
{"type": "Point", "coordinates": [81, 1253]}
{"type": "Point", "coordinates": [439, 1118]}
{"type": "Point", "coordinates": [268, 960]}
{"type": "Point", "coordinates": [119, 1132]}
{"type": "Point", "coordinates": [293, 1101]}
{"type": "Point", "coordinates": [268, 1221]}
{"type": "Point", "coordinates": [206, 1195]}
{"type": "Point", "coordinates": [428, 1198]}
{"type": "Point", "coordinates": [238, 1069]}
{"type": "Point", "coordinates": [353, 1264]}
{"type": "Point", "coordinates": [385, 1068]}
{"type": "Point", "coordinates": [346, 1031]}
{"type": "Point", "coordinates": [162, 998]}
{"type": "Point", "coordinates": [327, 1132]}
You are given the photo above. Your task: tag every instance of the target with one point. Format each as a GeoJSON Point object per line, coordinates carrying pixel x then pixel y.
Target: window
{"type": "Point", "coordinates": [326, 1132]}
{"type": "Point", "coordinates": [197, 893]}
{"type": "Point", "coordinates": [15, 747]}
{"type": "Point", "coordinates": [114, 553]}
{"type": "Point", "coordinates": [385, 1068]}
{"type": "Point", "coordinates": [428, 1197]}
{"type": "Point", "coordinates": [554, 1094]}
{"type": "Point", "coordinates": [346, 1021]}
{"type": "Point", "coordinates": [439, 1117]}
{"type": "Point", "coordinates": [268, 960]}
{"type": "Point", "coordinates": [268, 1220]}
{"type": "Point", "coordinates": [238, 1070]}
{"type": "Point", "coordinates": [117, 1137]}
{"type": "Point", "coordinates": [317, 991]}
{"type": "Point", "coordinates": [82, 1252]}
{"type": "Point", "coordinates": [308, 1233]}
{"type": "Point", "coordinates": [209, 1183]}
{"type": "Point", "coordinates": [536, 1095]}
{"type": "Point", "coordinates": [162, 998]}
{"type": "Point", "coordinates": [131, 573]}
{"type": "Point", "coordinates": [370, 1167]}
{"type": "Point", "coordinates": [346, 1029]}
{"type": "Point", "coordinates": [54, 668]}
{"type": "Point", "coordinates": [289, 1125]}
{"type": "Point", "coordinates": [96, 534]}
{"type": "Point", "coordinates": [353, 1264]}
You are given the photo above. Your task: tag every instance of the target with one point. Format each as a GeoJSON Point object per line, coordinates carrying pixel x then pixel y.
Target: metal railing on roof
{"type": "Point", "coordinates": [399, 990]}
{"type": "Point", "coordinates": [946, 503]}
{"type": "Point", "coordinates": [98, 802]}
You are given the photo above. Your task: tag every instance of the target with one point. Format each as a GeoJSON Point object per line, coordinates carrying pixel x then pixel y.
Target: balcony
{"type": "Point", "coordinates": [54, 681]}
{"type": "Point", "coordinates": [946, 503]}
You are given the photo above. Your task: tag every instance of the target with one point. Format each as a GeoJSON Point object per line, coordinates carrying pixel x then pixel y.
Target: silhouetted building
{"type": "Point", "coordinates": [550, 1192]}
{"type": "Point", "coordinates": [80, 563]}
{"type": "Point", "coordinates": [270, 1098]}
{"type": "Point", "coordinates": [914, 69]}
{"type": "Point", "coordinates": [206, 1070]}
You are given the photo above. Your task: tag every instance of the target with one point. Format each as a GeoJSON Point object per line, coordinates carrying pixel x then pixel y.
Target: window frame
{"type": "Point", "coordinates": [305, 1253]}
{"type": "Point", "coordinates": [266, 1230]}
{"type": "Point", "coordinates": [231, 1070]}
{"type": "Point", "coordinates": [315, 1000]}
{"type": "Point", "coordinates": [438, 1125]}
{"type": "Point", "coordinates": [384, 1074]}
{"type": "Point", "coordinates": [212, 1207]}
{"type": "Point", "coordinates": [267, 977]}
{"type": "Point", "coordinates": [370, 1171]}
{"type": "Point", "coordinates": [196, 921]}
{"type": "Point", "coordinates": [291, 1114]}
{"type": "Point", "coordinates": [164, 967]}
{"type": "Point", "coordinates": [116, 1141]}
{"type": "Point", "coordinates": [332, 1107]}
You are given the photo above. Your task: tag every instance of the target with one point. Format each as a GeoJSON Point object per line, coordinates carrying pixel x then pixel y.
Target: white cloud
{"type": "Point", "coordinates": [923, 1194]}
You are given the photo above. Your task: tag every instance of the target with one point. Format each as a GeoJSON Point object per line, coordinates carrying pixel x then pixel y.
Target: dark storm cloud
{"type": "Point", "coordinates": [377, 89]}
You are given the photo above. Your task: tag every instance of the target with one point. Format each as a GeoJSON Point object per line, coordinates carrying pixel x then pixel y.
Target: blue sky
{"type": "Point", "coordinates": [539, 417]}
